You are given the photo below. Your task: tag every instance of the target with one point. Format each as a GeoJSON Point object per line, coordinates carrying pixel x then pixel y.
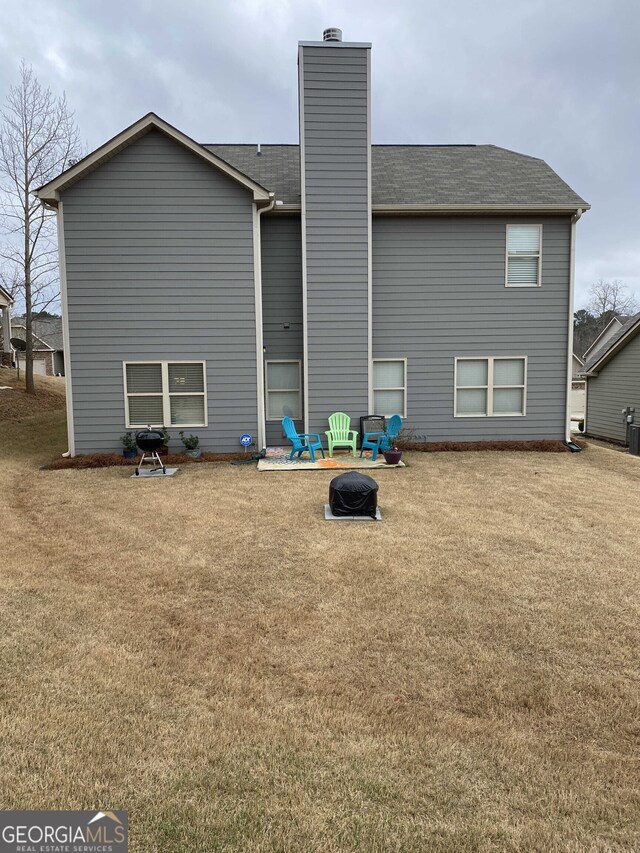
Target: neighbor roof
{"type": "Point", "coordinates": [614, 345]}
{"type": "Point", "coordinates": [47, 330]}
{"type": "Point", "coordinates": [423, 176]}
{"type": "Point", "coordinates": [6, 296]}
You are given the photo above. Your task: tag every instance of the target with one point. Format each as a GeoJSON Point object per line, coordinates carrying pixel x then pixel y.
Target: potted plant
{"type": "Point", "coordinates": [129, 446]}
{"type": "Point", "coordinates": [392, 456]}
{"type": "Point", "coordinates": [191, 443]}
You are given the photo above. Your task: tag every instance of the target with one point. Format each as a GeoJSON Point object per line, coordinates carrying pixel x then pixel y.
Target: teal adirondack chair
{"type": "Point", "coordinates": [376, 441]}
{"type": "Point", "coordinates": [339, 433]}
{"type": "Point", "coordinates": [302, 441]}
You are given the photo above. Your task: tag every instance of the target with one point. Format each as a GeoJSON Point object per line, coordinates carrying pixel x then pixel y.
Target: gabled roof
{"type": "Point", "coordinates": [6, 299]}
{"type": "Point", "coordinates": [621, 338]}
{"type": "Point", "coordinates": [578, 359]}
{"type": "Point", "coordinates": [48, 331]}
{"type": "Point", "coordinates": [424, 177]}
{"type": "Point", "coordinates": [50, 193]}
{"type": "Point", "coordinates": [595, 346]}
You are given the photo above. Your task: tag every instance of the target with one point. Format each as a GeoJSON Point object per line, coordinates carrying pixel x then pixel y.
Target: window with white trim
{"type": "Point", "coordinates": [284, 390]}
{"type": "Point", "coordinates": [390, 386]}
{"type": "Point", "coordinates": [524, 245]}
{"type": "Point", "coordinates": [490, 387]}
{"type": "Point", "coordinates": [165, 393]}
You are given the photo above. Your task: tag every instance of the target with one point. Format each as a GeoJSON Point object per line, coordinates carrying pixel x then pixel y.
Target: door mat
{"type": "Point", "coordinates": [329, 516]}
{"type": "Point", "coordinates": [154, 475]}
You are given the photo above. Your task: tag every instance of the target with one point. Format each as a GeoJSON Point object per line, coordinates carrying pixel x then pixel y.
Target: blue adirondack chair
{"type": "Point", "coordinates": [376, 441]}
{"type": "Point", "coordinates": [302, 441]}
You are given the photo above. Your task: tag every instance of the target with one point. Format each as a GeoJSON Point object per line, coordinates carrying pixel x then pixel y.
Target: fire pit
{"type": "Point", "coordinates": [353, 495]}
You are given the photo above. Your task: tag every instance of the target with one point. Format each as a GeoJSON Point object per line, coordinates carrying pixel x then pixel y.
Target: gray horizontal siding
{"type": "Point", "coordinates": [159, 260]}
{"type": "Point", "coordinates": [335, 165]}
{"type": "Point", "coordinates": [282, 299]}
{"type": "Point", "coordinates": [438, 293]}
{"type": "Point", "coordinates": [615, 387]}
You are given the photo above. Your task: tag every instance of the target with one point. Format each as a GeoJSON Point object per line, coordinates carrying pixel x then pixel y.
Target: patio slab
{"type": "Point", "coordinates": [277, 459]}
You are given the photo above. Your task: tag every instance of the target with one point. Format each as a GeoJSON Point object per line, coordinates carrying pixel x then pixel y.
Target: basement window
{"type": "Point", "coordinates": [490, 387]}
{"type": "Point", "coordinates": [524, 246]}
{"type": "Point", "coordinates": [165, 393]}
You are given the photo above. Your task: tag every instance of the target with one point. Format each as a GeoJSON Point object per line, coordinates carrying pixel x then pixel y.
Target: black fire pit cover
{"type": "Point", "coordinates": [353, 494]}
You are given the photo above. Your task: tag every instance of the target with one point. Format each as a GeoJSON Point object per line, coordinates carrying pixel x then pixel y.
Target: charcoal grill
{"type": "Point", "coordinates": [150, 441]}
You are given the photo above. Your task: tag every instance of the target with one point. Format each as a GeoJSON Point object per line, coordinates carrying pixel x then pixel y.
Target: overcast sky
{"type": "Point", "coordinates": [556, 79]}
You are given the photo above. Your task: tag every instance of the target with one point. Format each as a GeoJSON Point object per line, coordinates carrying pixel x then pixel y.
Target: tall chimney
{"type": "Point", "coordinates": [335, 173]}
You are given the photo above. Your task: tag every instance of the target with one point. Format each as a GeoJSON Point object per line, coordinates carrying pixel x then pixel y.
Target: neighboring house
{"type": "Point", "coordinates": [612, 328]}
{"type": "Point", "coordinates": [218, 287]}
{"type": "Point", "coordinates": [48, 348]}
{"type": "Point", "coordinates": [578, 389]}
{"type": "Point", "coordinates": [6, 301]}
{"type": "Point", "coordinates": [613, 384]}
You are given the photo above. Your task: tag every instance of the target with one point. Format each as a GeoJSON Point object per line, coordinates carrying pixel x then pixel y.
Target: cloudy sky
{"type": "Point", "coordinates": [557, 79]}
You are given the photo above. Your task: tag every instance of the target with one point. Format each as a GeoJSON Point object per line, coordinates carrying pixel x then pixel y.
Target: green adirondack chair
{"type": "Point", "coordinates": [339, 433]}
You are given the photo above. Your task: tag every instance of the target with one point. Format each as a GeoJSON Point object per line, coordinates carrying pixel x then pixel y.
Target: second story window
{"type": "Point", "coordinates": [524, 244]}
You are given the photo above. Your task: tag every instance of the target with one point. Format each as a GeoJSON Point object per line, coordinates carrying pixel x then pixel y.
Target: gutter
{"type": "Point", "coordinates": [257, 272]}
{"type": "Point", "coordinates": [572, 259]}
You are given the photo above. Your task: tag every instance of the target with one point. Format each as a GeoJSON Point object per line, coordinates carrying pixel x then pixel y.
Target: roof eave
{"type": "Point", "coordinates": [555, 209]}
{"type": "Point", "coordinates": [50, 193]}
{"type": "Point", "coordinates": [621, 343]}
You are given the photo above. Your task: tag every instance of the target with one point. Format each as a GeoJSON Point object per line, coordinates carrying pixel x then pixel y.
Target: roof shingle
{"type": "Point", "coordinates": [421, 175]}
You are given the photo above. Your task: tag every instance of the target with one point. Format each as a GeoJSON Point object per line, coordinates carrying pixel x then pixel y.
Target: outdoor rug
{"type": "Point", "coordinates": [278, 460]}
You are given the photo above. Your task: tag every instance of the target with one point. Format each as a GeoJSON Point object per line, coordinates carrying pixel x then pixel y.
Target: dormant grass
{"type": "Point", "coordinates": [211, 655]}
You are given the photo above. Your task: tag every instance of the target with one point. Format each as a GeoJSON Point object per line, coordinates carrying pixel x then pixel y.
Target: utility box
{"type": "Point", "coordinates": [634, 439]}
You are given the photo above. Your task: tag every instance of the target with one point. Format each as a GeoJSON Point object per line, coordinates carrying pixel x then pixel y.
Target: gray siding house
{"type": "Point", "coordinates": [613, 384]}
{"type": "Point", "coordinates": [216, 288]}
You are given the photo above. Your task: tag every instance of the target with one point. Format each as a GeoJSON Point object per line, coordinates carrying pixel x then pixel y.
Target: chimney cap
{"type": "Point", "coordinates": [332, 34]}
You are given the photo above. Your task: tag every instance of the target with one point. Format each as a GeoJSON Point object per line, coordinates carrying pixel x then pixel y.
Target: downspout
{"type": "Point", "coordinates": [572, 259]}
{"type": "Point", "coordinates": [257, 266]}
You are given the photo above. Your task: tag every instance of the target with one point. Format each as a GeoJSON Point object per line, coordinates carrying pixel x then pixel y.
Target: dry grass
{"type": "Point", "coordinates": [208, 653]}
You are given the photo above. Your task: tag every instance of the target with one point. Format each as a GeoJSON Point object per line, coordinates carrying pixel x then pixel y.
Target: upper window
{"type": "Point", "coordinates": [490, 387]}
{"type": "Point", "coordinates": [283, 390]}
{"type": "Point", "coordinates": [524, 243]}
{"type": "Point", "coordinates": [165, 393]}
{"type": "Point", "coordinates": [390, 386]}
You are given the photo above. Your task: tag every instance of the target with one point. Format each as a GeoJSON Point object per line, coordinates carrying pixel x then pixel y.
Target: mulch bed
{"type": "Point", "coordinates": [116, 460]}
{"type": "Point", "coordinates": [113, 460]}
{"type": "Point", "coordinates": [545, 446]}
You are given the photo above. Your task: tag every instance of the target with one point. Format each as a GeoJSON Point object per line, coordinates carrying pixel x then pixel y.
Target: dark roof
{"type": "Point", "coordinates": [606, 350]}
{"type": "Point", "coordinates": [48, 330]}
{"type": "Point", "coordinates": [425, 175]}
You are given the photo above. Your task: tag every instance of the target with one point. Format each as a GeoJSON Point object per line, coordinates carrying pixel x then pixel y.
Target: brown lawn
{"type": "Point", "coordinates": [211, 655]}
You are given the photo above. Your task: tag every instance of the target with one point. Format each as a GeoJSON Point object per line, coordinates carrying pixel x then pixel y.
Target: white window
{"type": "Point", "coordinates": [165, 393]}
{"type": "Point", "coordinates": [490, 387]}
{"type": "Point", "coordinates": [390, 386]}
{"type": "Point", "coordinates": [524, 246]}
{"type": "Point", "coordinates": [284, 390]}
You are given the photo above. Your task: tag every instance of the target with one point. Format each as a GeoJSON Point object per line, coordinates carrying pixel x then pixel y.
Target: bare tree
{"type": "Point", "coordinates": [38, 140]}
{"type": "Point", "coordinates": [608, 298]}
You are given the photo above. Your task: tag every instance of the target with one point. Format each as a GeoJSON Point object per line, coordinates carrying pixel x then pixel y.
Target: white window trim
{"type": "Point", "coordinates": [166, 395]}
{"type": "Point", "coordinates": [538, 255]}
{"type": "Point", "coordinates": [267, 390]}
{"type": "Point", "coordinates": [402, 388]}
{"type": "Point", "coordinates": [490, 387]}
